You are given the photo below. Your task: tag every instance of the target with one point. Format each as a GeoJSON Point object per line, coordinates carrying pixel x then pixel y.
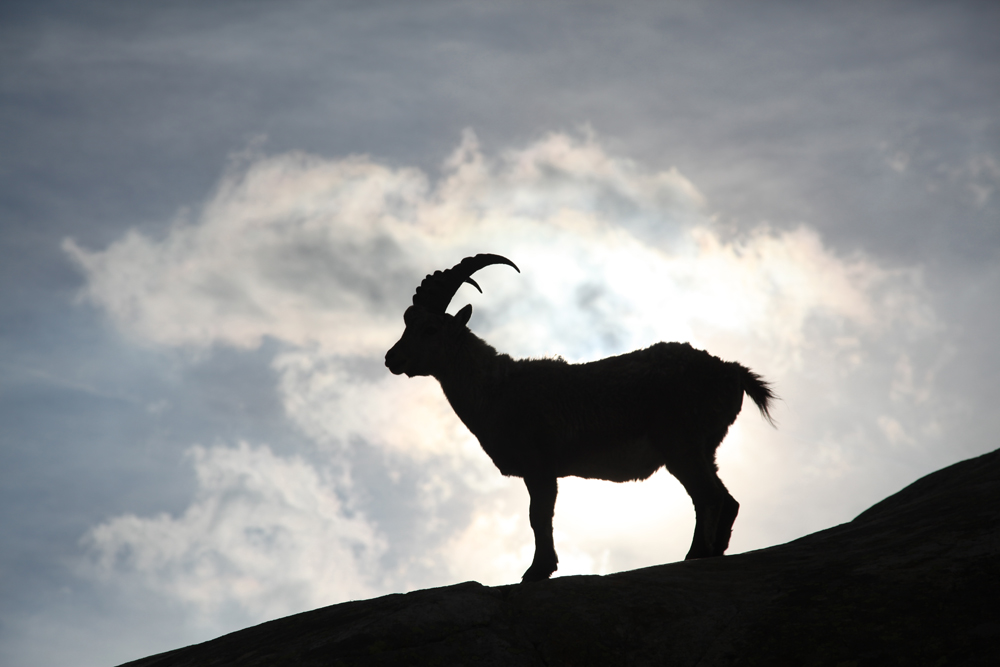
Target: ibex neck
{"type": "Point", "coordinates": [467, 380]}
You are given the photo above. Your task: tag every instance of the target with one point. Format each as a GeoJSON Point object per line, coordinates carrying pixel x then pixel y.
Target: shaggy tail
{"type": "Point", "coordinates": [760, 393]}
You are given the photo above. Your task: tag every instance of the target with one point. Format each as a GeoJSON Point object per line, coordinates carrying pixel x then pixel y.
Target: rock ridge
{"type": "Point", "coordinates": [913, 580]}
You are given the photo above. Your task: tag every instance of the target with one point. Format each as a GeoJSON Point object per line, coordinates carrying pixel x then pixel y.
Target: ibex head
{"type": "Point", "coordinates": [427, 340]}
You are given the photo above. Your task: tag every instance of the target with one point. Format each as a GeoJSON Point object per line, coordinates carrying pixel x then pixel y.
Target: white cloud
{"type": "Point", "coordinates": [326, 252]}
{"type": "Point", "coordinates": [332, 404]}
{"type": "Point", "coordinates": [264, 535]}
{"type": "Point", "coordinates": [293, 247]}
{"type": "Point", "coordinates": [323, 256]}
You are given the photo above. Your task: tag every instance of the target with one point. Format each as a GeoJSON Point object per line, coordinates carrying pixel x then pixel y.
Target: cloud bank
{"type": "Point", "coordinates": [264, 533]}
{"type": "Point", "coordinates": [322, 256]}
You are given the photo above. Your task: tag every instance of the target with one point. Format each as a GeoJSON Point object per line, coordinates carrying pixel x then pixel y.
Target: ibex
{"type": "Point", "coordinates": [619, 418]}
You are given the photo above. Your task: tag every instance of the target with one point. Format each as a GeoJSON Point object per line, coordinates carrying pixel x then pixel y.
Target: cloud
{"type": "Point", "coordinates": [294, 247]}
{"type": "Point", "coordinates": [265, 535]}
{"type": "Point", "coordinates": [326, 252]}
{"type": "Point", "coordinates": [333, 402]}
{"type": "Point", "coordinates": [322, 255]}
{"type": "Point", "coordinates": [304, 249]}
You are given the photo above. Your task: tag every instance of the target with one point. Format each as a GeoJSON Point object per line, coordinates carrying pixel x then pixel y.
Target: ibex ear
{"type": "Point", "coordinates": [462, 316]}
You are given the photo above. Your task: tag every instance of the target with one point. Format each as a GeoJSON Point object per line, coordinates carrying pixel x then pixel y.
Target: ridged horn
{"type": "Point", "coordinates": [437, 289]}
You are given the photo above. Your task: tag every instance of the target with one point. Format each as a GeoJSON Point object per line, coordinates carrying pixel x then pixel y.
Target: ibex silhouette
{"type": "Point", "coordinates": [619, 418]}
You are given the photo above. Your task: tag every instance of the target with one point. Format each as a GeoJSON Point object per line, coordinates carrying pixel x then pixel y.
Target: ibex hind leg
{"type": "Point", "coordinates": [715, 510]}
{"type": "Point", "coordinates": [729, 509]}
{"type": "Point", "coordinates": [724, 529]}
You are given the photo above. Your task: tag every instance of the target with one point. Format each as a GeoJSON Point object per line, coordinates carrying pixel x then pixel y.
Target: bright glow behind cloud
{"type": "Point", "coordinates": [323, 255]}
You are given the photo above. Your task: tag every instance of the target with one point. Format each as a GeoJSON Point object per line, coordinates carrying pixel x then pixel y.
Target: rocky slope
{"type": "Point", "coordinates": [915, 580]}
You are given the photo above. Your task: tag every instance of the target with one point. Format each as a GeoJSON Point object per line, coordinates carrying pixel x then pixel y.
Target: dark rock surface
{"type": "Point", "coordinates": [915, 580]}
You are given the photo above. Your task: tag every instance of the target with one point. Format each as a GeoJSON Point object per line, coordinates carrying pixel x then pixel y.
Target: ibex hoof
{"type": "Point", "coordinates": [538, 572]}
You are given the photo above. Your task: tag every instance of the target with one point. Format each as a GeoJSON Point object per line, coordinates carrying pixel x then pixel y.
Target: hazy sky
{"type": "Point", "coordinates": [212, 218]}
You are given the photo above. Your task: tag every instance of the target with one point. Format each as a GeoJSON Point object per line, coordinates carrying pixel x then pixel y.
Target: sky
{"type": "Point", "coordinates": [212, 217]}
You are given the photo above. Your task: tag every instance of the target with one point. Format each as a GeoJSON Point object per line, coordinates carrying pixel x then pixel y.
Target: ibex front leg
{"type": "Point", "coordinates": [542, 491]}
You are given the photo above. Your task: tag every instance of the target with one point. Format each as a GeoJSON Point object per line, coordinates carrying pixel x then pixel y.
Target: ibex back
{"type": "Point", "coordinates": [620, 418]}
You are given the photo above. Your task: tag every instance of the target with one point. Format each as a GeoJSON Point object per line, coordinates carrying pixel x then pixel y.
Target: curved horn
{"type": "Point", "coordinates": [438, 288]}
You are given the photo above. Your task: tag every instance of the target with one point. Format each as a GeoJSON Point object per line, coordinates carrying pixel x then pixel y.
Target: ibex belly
{"type": "Point", "coordinates": [621, 462]}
